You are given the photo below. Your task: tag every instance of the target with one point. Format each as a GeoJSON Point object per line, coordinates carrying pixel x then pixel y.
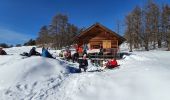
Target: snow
{"type": "Point", "coordinates": [143, 75]}
{"type": "Point", "coordinates": [18, 75]}
{"type": "Point", "coordinates": [93, 51]}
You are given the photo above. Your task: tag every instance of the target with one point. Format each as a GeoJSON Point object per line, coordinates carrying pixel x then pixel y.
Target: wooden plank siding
{"type": "Point", "coordinates": [106, 41]}
{"type": "Point", "coordinates": [98, 36]}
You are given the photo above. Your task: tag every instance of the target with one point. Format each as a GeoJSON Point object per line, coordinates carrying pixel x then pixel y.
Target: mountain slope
{"type": "Point", "coordinates": [141, 76]}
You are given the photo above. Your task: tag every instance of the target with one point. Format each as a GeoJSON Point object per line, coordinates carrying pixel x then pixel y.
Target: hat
{"type": "Point", "coordinates": [33, 48]}
{"type": "Point", "coordinates": [84, 56]}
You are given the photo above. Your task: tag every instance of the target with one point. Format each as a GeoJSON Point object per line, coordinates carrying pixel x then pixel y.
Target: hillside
{"type": "Point", "coordinates": [141, 76]}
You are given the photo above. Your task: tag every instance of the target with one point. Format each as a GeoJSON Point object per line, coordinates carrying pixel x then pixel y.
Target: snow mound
{"type": "Point", "coordinates": [23, 77]}
{"type": "Point", "coordinates": [28, 69]}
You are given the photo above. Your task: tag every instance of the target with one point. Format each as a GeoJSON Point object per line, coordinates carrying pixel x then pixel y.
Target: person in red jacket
{"type": "Point", "coordinates": [111, 64]}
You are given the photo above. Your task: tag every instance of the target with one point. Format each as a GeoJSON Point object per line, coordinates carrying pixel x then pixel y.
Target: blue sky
{"type": "Point", "coordinates": [21, 20]}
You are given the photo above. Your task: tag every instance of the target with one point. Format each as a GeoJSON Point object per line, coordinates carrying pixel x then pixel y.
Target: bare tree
{"type": "Point", "coordinates": [59, 33]}
{"type": "Point", "coordinates": [137, 17]}
{"type": "Point", "coordinates": [166, 25]}
{"type": "Point", "coordinates": [43, 37]}
{"type": "Point", "coordinates": [148, 27]}
{"type": "Point", "coordinates": [129, 29]}
{"type": "Point", "coordinates": [133, 22]}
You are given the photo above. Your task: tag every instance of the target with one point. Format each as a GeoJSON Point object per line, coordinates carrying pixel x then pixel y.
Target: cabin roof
{"type": "Point", "coordinates": [99, 27]}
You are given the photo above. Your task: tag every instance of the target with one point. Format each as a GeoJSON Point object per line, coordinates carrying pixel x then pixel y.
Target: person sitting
{"type": "Point", "coordinates": [68, 55]}
{"type": "Point", "coordinates": [75, 57]}
{"type": "Point", "coordinates": [45, 53]}
{"type": "Point", "coordinates": [43, 48]}
{"type": "Point", "coordinates": [83, 63]}
{"type": "Point", "coordinates": [61, 53]}
{"type": "Point", "coordinates": [33, 52]}
{"type": "Point", "coordinates": [2, 52]}
{"type": "Point", "coordinates": [24, 54]}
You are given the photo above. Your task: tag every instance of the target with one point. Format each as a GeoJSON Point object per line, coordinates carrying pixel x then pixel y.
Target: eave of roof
{"type": "Point", "coordinates": [102, 26]}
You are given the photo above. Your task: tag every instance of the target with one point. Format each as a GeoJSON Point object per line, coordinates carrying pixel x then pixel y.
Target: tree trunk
{"type": "Point", "coordinates": [159, 44]}
{"type": "Point", "coordinates": [130, 44]}
{"type": "Point", "coordinates": [168, 47]}
{"type": "Point", "coordinates": [146, 46]}
{"type": "Point", "coordinates": [154, 44]}
{"type": "Point", "coordinates": [168, 42]}
{"type": "Point", "coordinates": [130, 47]}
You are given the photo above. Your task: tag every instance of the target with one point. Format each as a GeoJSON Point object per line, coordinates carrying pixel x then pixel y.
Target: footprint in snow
{"type": "Point", "coordinates": [7, 92]}
{"type": "Point", "coordinates": [19, 87]}
{"type": "Point", "coordinates": [35, 83]}
{"type": "Point", "coordinates": [26, 86]}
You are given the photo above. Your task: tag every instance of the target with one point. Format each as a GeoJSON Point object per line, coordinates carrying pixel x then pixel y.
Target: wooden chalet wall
{"type": "Point", "coordinates": [103, 40]}
{"type": "Point", "coordinates": [98, 36]}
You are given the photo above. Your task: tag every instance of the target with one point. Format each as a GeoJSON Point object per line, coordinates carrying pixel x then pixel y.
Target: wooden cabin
{"type": "Point", "coordinates": [98, 36]}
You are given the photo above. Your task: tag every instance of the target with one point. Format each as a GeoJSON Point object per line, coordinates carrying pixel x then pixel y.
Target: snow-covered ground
{"type": "Point", "coordinates": [141, 76]}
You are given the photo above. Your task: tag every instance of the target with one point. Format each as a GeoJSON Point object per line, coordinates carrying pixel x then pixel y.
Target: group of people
{"type": "Point", "coordinates": [83, 62]}
{"type": "Point", "coordinates": [32, 52]}
{"type": "Point", "coordinates": [45, 53]}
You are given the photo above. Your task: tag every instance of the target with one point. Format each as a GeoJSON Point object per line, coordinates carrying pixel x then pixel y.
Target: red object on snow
{"type": "Point", "coordinates": [111, 64]}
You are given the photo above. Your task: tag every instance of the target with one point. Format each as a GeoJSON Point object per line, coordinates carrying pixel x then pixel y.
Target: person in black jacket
{"type": "Point", "coordinates": [2, 52]}
{"type": "Point", "coordinates": [75, 57]}
{"type": "Point", "coordinates": [83, 63]}
{"type": "Point", "coordinates": [33, 52]}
